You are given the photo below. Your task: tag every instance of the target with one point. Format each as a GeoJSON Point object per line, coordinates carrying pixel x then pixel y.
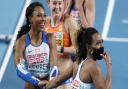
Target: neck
{"type": "Point", "coordinates": [55, 21]}
{"type": "Point", "coordinates": [89, 55]}
{"type": "Point", "coordinates": [35, 34]}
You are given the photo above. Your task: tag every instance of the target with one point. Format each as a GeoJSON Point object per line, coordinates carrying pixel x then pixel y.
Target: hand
{"type": "Point", "coordinates": [106, 57]}
{"type": "Point", "coordinates": [51, 84]}
{"type": "Point", "coordinates": [42, 83]}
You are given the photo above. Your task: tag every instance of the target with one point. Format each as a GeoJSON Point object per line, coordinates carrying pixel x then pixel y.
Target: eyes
{"type": "Point", "coordinates": [41, 15]}
{"type": "Point", "coordinates": [37, 14]}
{"type": "Point", "coordinates": [55, 2]}
{"type": "Point", "coordinates": [99, 42]}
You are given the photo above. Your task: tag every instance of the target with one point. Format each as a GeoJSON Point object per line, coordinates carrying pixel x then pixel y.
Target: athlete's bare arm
{"type": "Point", "coordinates": [90, 12]}
{"type": "Point", "coordinates": [60, 78]}
{"type": "Point", "coordinates": [86, 11]}
{"type": "Point", "coordinates": [53, 51]}
{"type": "Point", "coordinates": [67, 7]}
{"type": "Point", "coordinates": [96, 75]}
{"type": "Point", "coordinates": [108, 62]}
{"type": "Point", "coordinates": [19, 49]}
{"type": "Point", "coordinates": [72, 32]}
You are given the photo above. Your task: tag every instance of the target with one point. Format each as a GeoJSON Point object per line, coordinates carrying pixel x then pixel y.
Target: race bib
{"type": "Point", "coordinates": [59, 38]}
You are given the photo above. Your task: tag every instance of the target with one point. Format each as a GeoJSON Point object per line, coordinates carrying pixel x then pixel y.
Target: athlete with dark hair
{"type": "Point", "coordinates": [87, 73]}
{"type": "Point", "coordinates": [34, 49]}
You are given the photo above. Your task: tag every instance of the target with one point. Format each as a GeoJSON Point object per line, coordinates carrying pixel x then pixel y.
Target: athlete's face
{"type": "Point", "coordinates": [56, 7]}
{"type": "Point", "coordinates": [97, 41]}
{"type": "Point", "coordinates": [38, 18]}
{"type": "Point", "coordinates": [97, 46]}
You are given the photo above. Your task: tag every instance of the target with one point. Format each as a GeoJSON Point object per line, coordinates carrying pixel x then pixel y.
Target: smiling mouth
{"type": "Point", "coordinates": [56, 11]}
{"type": "Point", "coordinates": [42, 24]}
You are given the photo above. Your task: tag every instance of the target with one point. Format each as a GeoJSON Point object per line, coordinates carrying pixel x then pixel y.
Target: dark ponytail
{"type": "Point", "coordinates": [24, 29]}
{"type": "Point", "coordinates": [84, 38]}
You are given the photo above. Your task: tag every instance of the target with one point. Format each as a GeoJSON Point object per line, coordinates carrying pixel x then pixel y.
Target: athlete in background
{"type": "Point", "coordinates": [81, 12]}
{"type": "Point", "coordinates": [58, 25]}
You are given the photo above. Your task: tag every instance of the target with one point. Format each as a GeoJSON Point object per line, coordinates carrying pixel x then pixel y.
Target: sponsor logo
{"type": "Point", "coordinates": [37, 50]}
{"type": "Point", "coordinates": [37, 58]}
{"type": "Point", "coordinates": [75, 84]}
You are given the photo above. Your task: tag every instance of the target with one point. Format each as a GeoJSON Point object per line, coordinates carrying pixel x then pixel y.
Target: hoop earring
{"type": "Point", "coordinates": [91, 52]}
{"type": "Point", "coordinates": [29, 25]}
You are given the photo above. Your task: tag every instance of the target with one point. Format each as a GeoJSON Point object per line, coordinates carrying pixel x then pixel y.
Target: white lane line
{"type": "Point", "coordinates": [10, 48]}
{"type": "Point", "coordinates": [116, 39]}
{"type": "Point", "coordinates": [125, 21]}
{"type": "Point", "coordinates": [108, 17]}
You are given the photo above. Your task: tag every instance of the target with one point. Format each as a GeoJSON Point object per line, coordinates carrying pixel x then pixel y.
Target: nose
{"type": "Point", "coordinates": [101, 44]}
{"type": "Point", "coordinates": [43, 17]}
{"type": "Point", "coordinates": [57, 6]}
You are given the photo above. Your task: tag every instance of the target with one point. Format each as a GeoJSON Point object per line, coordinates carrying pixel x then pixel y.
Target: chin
{"type": "Point", "coordinates": [42, 29]}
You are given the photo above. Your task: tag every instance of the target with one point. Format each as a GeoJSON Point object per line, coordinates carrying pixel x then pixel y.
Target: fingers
{"type": "Point", "coordinates": [48, 85]}
{"type": "Point", "coordinates": [106, 57]}
{"type": "Point", "coordinates": [42, 83]}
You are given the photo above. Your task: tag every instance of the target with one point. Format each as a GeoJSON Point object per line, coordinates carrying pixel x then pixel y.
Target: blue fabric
{"type": "Point", "coordinates": [55, 72]}
{"type": "Point", "coordinates": [73, 57]}
{"type": "Point", "coordinates": [27, 40]}
{"type": "Point", "coordinates": [27, 77]}
{"type": "Point", "coordinates": [67, 81]}
{"type": "Point", "coordinates": [44, 37]}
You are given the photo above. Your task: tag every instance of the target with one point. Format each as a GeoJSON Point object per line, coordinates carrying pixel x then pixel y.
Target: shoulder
{"type": "Point", "coordinates": [20, 41]}
{"type": "Point", "coordinates": [67, 23]}
{"type": "Point", "coordinates": [19, 44]}
{"type": "Point", "coordinates": [49, 36]}
{"type": "Point", "coordinates": [92, 65]}
{"type": "Point", "coordinates": [93, 68]}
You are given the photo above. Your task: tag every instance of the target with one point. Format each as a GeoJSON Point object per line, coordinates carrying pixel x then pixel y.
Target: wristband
{"type": "Point", "coordinates": [25, 75]}
{"type": "Point", "coordinates": [109, 63]}
{"type": "Point", "coordinates": [62, 50]}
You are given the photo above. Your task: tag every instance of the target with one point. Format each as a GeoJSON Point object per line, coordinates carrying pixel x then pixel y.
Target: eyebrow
{"type": "Point", "coordinates": [38, 12]}
{"type": "Point", "coordinates": [57, 1]}
{"type": "Point", "coordinates": [100, 41]}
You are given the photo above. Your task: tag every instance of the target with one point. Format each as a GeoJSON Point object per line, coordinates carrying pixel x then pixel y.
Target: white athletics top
{"type": "Point", "coordinates": [37, 57]}
{"type": "Point", "coordinates": [78, 84]}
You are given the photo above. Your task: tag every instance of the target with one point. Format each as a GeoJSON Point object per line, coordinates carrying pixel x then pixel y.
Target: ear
{"type": "Point", "coordinates": [30, 19]}
{"type": "Point", "coordinates": [89, 48]}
